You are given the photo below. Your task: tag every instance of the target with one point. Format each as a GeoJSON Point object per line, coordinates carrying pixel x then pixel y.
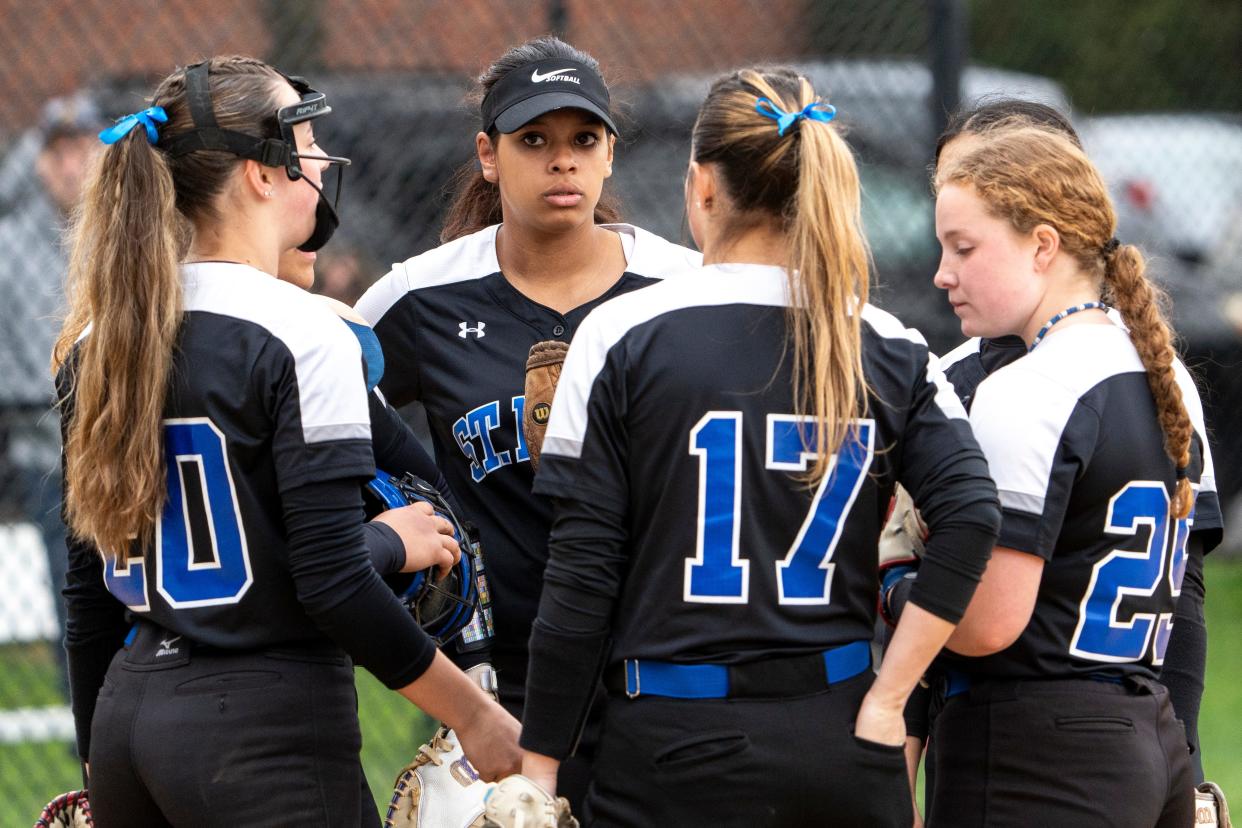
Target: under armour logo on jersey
{"type": "Point", "coordinates": [465, 329]}
{"type": "Point", "coordinates": [558, 75]}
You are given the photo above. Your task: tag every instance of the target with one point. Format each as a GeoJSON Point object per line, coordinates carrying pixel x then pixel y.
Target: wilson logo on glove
{"type": "Point", "coordinates": [543, 372]}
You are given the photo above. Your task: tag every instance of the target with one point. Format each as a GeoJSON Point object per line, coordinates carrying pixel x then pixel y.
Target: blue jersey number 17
{"type": "Point", "coordinates": [718, 573]}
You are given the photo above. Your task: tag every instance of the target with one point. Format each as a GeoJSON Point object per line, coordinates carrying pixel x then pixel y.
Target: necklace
{"type": "Point", "coordinates": [1039, 337]}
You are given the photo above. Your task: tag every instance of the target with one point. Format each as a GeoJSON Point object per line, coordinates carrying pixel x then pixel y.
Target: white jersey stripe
{"type": "Point", "coordinates": [1020, 411]}
{"type": "Point", "coordinates": [327, 357]}
{"type": "Point", "coordinates": [474, 257]}
{"type": "Point", "coordinates": [710, 286]}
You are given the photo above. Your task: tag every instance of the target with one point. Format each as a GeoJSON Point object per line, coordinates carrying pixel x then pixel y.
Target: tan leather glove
{"type": "Point", "coordinates": [543, 372]}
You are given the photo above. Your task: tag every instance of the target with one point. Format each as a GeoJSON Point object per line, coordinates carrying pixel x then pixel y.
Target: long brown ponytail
{"type": "Point", "coordinates": [476, 201]}
{"type": "Point", "coordinates": [1031, 175]}
{"type": "Point", "coordinates": [805, 181]}
{"type": "Point", "coordinates": [131, 231]}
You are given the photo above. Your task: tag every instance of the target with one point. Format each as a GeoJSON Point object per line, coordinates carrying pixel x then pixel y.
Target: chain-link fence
{"type": "Point", "coordinates": [396, 72]}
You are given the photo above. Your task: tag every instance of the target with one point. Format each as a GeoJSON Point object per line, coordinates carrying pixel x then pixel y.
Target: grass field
{"type": "Point", "coordinates": [31, 773]}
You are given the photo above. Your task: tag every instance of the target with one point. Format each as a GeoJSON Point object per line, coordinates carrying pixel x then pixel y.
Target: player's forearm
{"type": "Point", "coordinates": [446, 693]}
{"type": "Point", "coordinates": [919, 637]}
{"type": "Point", "coordinates": [341, 592]}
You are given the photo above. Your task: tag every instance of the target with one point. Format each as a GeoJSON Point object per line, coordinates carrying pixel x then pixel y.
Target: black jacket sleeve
{"type": "Point", "coordinates": [340, 589]}
{"type": "Point", "coordinates": [95, 630]}
{"type": "Point", "coordinates": [397, 450]}
{"type": "Point", "coordinates": [95, 624]}
{"type": "Point", "coordinates": [385, 547]}
{"type": "Point", "coordinates": [569, 640]}
{"type": "Point", "coordinates": [946, 474]}
{"type": "Point", "coordinates": [1185, 661]}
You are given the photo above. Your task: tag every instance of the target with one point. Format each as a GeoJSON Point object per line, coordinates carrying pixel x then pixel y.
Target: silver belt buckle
{"type": "Point", "coordinates": [638, 684]}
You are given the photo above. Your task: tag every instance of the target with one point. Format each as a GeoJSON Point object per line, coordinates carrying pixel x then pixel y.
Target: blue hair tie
{"type": "Point", "coordinates": [817, 111]}
{"type": "Point", "coordinates": [148, 117]}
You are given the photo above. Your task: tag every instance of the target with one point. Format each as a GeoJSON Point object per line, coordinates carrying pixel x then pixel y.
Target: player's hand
{"type": "Point", "coordinates": [881, 721]}
{"type": "Point", "coordinates": [490, 741]}
{"type": "Point", "coordinates": [541, 770]}
{"type": "Point", "coordinates": [428, 538]}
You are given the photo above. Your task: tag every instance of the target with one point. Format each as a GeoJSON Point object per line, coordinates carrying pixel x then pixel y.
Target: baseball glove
{"type": "Point", "coordinates": [543, 372]}
{"type": "Point", "coordinates": [69, 810]}
{"type": "Point", "coordinates": [439, 789]}
{"type": "Point", "coordinates": [519, 802]}
{"type": "Point", "coordinates": [903, 536]}
{"type": "Point", "coordinates": [1211, 809]}
{"type": "Point", "coordinates": [901, 546]}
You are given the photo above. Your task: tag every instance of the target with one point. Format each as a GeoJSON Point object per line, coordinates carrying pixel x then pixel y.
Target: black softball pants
{"type": "Point", "coordinates": [1069, 753]}
{"type": "Point", "coordinates": [206, 737]}
{"type": "Point", "coordinates": [745, 762]}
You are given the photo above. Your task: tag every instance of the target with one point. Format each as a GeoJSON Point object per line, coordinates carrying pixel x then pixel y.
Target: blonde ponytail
{"type": "Point", "coordinates": [829, 276]}
{"type": "Point", "coordinates": [123, 282]}
{"type": "Point", "coordinates": [805, 183]}
{"type": "Point", "coordinates": [130, 233]}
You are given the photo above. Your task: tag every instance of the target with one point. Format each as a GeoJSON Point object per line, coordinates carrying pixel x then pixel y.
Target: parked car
{"type": "Point", "coordinates": [1176, 178]}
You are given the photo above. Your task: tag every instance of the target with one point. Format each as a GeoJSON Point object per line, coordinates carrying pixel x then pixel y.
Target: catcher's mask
{"type": "Point", "coordinates": [441, 607]}
{"type": "Point", "coordinates": [270, 152]}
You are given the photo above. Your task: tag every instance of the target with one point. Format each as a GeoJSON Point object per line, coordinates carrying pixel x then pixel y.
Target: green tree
{"type": "Point", "coordinates": [1119, 55]}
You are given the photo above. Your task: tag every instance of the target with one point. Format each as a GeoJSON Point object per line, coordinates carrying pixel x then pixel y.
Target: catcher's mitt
{"type": "Point", "coordinates": [543, 372]}
{"type": "Point", "coordinates": [901, 546]}
{"type": "Point", "coordinates": [1211, 809]}
{"type": "Point", "coordinates": [902, 539]}
{"type": "Point", "coordinates": [519, 802]}
{"type": "Point", "coordinates": [69, 810]}
{"type": "Point", "coordinates": [439, 789]}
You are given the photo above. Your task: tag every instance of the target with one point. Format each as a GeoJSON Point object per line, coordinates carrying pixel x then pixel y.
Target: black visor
{"type": "Point", "coordinates": [536, 88]}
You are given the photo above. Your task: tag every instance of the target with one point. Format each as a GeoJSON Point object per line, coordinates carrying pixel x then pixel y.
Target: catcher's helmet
{"type": "Point", "coordinates": [443, 606]}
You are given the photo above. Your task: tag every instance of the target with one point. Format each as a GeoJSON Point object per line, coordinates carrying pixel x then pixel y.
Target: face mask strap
{"type": "Point", "coordinates": [207, 134]}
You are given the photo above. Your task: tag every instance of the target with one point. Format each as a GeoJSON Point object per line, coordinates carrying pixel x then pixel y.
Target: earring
{"type": "Point", "coordinates": [268, 194]}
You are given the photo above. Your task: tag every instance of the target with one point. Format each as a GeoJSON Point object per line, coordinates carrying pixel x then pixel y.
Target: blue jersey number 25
{"type": "Point", "coordinates": [200, 548]}
{"type": "Point", "coordinates": [718, 573]}
{"type": "Point", "coordinates": [1102, 634]}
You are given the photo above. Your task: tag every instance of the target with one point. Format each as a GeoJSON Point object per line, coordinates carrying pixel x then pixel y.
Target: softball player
{"type": "Point", "coordinates": [216, 441]}
{"type": "Point", "coordinates": [531, 246]}
{"type": "Point", "coordinates": [969, 364]}
{"type": "Point", "coordinates": [1057, 717]}
{"type": "Point", "coordinates": [722, 450]}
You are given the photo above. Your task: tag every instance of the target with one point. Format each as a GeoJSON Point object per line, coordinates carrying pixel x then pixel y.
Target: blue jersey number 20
{"type": "Point", "coordinates": [1101, 634]}
{"type": "Point", "coordinates": [200, 548]}
{"type": "Point", "coordinates": [718, 574]}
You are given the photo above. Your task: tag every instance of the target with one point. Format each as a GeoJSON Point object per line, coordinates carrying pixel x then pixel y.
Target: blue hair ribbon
{"type": "Point", "coordinates": [148, 117]}
{"type": "Point", "coordinates": [817, 111]}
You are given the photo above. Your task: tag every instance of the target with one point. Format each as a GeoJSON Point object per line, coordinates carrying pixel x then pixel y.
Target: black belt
{"type": "Point", "coordinates": [150, 646]}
